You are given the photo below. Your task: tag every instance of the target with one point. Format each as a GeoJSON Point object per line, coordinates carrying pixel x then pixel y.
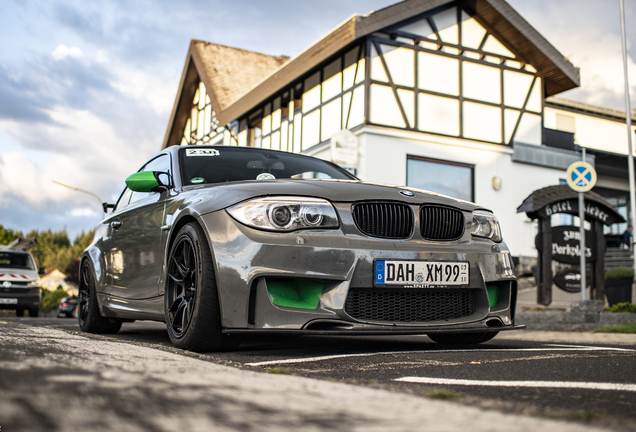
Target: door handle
{"type": "Point", "coordinates": [115, 224]}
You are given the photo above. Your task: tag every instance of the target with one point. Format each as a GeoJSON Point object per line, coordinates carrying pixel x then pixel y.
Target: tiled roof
{"type": "Point", "coordinates": [229, 73]}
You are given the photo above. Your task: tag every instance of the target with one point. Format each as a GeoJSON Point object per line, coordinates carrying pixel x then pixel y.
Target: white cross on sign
{"type": "Point", "coordinates": [581, 176]}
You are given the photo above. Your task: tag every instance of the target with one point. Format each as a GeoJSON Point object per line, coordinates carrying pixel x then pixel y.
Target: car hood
{"type": "Point", "coordinates": [209, 198]}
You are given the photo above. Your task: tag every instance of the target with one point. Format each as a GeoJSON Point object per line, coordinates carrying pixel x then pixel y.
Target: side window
{"type": "Point", "coordinates": [161, 163]}
{"type": "Point", "coordinates": [123, 200]}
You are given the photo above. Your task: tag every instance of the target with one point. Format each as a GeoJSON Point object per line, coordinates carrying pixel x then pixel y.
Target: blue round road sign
{"type": "Point", "coordinates": [581, 176]}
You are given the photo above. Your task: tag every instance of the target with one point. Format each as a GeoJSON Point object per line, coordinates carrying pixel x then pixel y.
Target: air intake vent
{"type": "Point", "coordinates": [388, 220]}
{"type": "Point", "coordinates": [441, 223]}
{"type": "Point", "coordinates": [409, 305]}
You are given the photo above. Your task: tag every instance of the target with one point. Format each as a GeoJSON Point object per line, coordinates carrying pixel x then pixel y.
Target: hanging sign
{"type": "Point", "coordinates": [581, 176]}
{"type": "Point", "coordinates": [566, 244]}
{"type": "Point", "coordinates": [569, 280]}
{"type": "Point", "coordinates": [344, 148]}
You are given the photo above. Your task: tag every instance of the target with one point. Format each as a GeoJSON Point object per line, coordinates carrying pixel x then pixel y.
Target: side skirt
{"type": "Point", "coordinates": [137, 309]}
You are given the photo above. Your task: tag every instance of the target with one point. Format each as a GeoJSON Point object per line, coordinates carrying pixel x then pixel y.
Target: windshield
{"type": "Point", "coordinates": [226, 164]}
{"type": "Point", "coordinates": [16, 260]}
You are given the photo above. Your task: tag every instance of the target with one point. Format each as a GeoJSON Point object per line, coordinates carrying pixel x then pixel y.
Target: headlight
{"type": "Point", "coordinates": [34, 284]}
{"type": "Point", "coordinates": [485, 224]}
{"type": "Point", "coordinates": [285, 213]}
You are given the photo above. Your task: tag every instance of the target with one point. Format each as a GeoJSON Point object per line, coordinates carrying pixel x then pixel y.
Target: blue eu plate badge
{"type": "Point", "coordinates": [379, 272]}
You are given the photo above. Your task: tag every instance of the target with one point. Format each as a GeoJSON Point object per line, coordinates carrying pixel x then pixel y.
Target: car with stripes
{"type": "Point", "coordinates": [224, 241]}
{"type": "Point", "coordinates": [19, 282]}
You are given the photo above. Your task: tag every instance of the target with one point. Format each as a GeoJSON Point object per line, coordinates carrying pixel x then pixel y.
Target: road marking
{"type": "Point", "coordinates": [337, 356]}
{"type": "Point", "coordinates": [531, 384]}
{"type": "Point", "coordinates": [584, 346]}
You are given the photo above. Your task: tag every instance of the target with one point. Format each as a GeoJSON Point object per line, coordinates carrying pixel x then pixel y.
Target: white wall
{"type": "Point", "coordinates": [593, 132]}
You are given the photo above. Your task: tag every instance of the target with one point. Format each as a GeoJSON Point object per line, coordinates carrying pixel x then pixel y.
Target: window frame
{"type": "Point", "coordinates": [391, 36]}
{"type": "Point", "coordinates": [170, 186]}
{"type": "Point", "coordinates": [443, 162]}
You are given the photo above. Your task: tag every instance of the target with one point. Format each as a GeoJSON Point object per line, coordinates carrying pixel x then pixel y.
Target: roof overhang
{"type": "Point", "coordinates": [182, 104]}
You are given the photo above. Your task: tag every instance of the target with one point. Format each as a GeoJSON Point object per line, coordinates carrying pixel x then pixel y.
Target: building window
{"type": "Point", "coordinates": [202, 126]}
{"type": "Point", "coordinates": [445, 73]}
{"type": "Point", "coordinates": [310, 111]}
{"type": "Point", "coordinates": [443, 177]}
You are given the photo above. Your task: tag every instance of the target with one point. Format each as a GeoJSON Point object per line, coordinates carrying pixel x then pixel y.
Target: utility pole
{"type": "Point", "coordinates": [630, 150]}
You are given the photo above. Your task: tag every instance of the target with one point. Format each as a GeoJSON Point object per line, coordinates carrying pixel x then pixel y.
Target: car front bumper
{"type": "Point", "coordinates": [342, 261]}
{"type": "Point", "coordinates": [24, 298]}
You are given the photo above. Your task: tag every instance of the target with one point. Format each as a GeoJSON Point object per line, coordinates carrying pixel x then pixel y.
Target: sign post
{"type": "Point", "coordinates": [581, 177]}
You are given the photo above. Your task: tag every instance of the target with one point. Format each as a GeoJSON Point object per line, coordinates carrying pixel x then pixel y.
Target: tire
{"type": "Point", "coordinates": [193, 315]}
{"type": "Point", "coordinates": [34, 312]}
{"type": "Point", "coordinates": [462, 338]}
{"type": "Point", "coordinates": [19, 312]}
{"type": "Point", "coordinates": [90, 320]}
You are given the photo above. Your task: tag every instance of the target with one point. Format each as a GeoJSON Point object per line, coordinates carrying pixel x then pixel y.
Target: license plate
{"type": "Point", "coordinates": [421, 273]}
{"type": "Point", "coordinates": [8, 301]}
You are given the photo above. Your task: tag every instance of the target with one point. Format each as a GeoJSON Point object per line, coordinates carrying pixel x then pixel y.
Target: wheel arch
{"type": "Point", "coordinates": [184, 220]}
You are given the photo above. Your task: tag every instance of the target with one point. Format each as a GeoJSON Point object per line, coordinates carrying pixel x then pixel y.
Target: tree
{"type": "Point", "coordinates": [54, 250]}
{"type": "Point", "coordinates": [81, 242]}
{"type": "Point", "coordinates": [8, 235]}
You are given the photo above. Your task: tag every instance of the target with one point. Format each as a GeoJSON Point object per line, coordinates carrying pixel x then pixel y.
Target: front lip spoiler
{"type": "Point", "coordinates": [374, 331]}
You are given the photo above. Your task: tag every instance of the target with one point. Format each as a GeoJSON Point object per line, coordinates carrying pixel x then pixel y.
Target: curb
{"type": "Point", "coordinates": [583, 316]}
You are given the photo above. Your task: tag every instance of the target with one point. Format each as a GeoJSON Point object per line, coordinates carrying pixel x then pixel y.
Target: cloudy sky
{"type": "Point", "coordinates": [86, 88]}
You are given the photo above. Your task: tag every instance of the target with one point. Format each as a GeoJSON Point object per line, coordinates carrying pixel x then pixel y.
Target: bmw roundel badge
{"type": "Point", "coordinates": [407, 194]}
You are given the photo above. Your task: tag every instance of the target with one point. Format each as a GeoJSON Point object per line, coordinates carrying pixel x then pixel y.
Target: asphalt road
{"type": "Point", "coordinates": [584, 378]}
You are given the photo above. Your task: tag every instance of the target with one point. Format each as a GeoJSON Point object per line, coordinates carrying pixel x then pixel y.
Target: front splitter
{"type": "Point", "coordinates": [374, 330]}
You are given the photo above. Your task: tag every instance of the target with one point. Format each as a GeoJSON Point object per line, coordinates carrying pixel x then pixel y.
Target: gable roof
{"type": "Point", "coordinates": [228, 73]}
{"type": "Point", "coordinates": [557, 72]}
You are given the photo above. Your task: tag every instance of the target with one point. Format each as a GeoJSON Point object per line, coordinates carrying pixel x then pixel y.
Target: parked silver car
{"type": "Point", "coordinates": [222, 241]}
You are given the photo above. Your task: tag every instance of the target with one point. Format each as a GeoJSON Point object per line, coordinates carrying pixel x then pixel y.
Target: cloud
{"type": "Point", "coordinates": [587, 32]}
{"type": "Point", "coordinates": [85, 211]}
{"type": "Point", "coordinates": [62, 51]}
{"type": "Point", "coordinates": [90, 116]}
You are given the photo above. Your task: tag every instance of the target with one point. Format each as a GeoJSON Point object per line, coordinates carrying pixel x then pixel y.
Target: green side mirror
{"type": "Point", "coordinates": [145, 181]}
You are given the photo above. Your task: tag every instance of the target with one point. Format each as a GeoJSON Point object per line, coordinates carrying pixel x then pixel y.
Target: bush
{"type": "Point", "coordinates": [619, 273]}
{"type": "Point", "coordinates": [623, 307]}
{"type": "Point", "coordinates": [51, 299]}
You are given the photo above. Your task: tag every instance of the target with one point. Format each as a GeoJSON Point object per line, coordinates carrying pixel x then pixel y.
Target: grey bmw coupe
{"type": "Point", "coordinates": [220, 241]}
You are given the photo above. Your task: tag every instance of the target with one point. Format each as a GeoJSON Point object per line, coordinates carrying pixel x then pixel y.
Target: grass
{"type": "Point", "coordinates": [586, 415]}
{"type": "Point", "coordinates": [443, 394]}
{"type": "Point", "coordinates": [623, 308]}
{"type": "Point", "coordinates": [627, 328]}
{"type": "Point", "coordinates": [279, 370]}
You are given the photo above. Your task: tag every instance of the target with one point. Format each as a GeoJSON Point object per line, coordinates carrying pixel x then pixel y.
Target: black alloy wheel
{"type": "Point", "coordinates": [462, 338]}
{"type": "Point", "coordinates": [193, 316]}
{"type": "Point", "coordinates": [84, 298]}
{"type": "Point", "coordinates": [89, 318]}
{"type": "Point", "coordinates": [182, 286]}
